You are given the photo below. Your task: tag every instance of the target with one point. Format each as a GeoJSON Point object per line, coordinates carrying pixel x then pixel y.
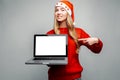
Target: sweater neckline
{"type": "Point", "coordinates": [63, 28]}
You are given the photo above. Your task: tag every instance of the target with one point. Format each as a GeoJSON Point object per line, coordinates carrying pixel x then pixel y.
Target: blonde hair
{"type": "Point", "coordinates": [71, 30]}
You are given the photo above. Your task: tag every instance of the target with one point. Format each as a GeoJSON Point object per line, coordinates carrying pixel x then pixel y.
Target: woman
{"type": "Point", "coordinates": [64, 24]}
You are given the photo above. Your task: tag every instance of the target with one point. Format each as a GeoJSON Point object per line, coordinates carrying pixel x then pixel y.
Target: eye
{"type": "Point", "coordinates": [62, 9]}
{"type": "Point", "coordinates": [56, 10]}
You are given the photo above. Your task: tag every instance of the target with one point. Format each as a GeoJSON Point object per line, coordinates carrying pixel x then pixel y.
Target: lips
{"type": "Point", "coordinates": [59, 17]}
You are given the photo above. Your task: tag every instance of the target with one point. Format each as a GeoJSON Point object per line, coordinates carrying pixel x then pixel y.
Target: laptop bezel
{"type": "Point", "coordinates": [35, 35]}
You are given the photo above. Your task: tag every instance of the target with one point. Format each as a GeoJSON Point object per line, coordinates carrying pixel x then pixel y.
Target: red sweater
{"type": "Point", "coordinates": [73, 69]}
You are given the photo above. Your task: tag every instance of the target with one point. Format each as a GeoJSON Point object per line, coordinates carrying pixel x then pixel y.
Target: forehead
{"type": "Point", "coordinates": [59, 7]}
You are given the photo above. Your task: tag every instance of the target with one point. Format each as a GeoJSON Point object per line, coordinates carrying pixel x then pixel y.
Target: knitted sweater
{"type": "Point", "coordinates": [73, 69]}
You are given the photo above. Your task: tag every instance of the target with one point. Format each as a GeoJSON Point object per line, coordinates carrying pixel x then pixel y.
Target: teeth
{"type": "Point", "coordinates": [58, 16]}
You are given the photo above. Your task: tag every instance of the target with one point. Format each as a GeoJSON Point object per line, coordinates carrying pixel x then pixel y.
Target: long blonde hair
{"type": "Point", "coordinates": [71, 29]}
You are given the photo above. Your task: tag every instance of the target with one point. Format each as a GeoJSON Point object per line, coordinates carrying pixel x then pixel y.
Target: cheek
{"type": "Point", "coordinates": [55, 14]}
{"type": "Point", "coordinates": [65, 15]}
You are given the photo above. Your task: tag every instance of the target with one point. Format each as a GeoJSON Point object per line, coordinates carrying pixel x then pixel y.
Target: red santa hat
{"type": "Point", "coordinates": [68, 6]}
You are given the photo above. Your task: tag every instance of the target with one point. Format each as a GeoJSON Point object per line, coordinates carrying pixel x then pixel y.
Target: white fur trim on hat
{"type": "Point", "coordinates": [64, 6]}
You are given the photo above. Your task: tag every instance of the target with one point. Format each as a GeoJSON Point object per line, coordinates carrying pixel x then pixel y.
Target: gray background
{"type": "Point", "coordinates": [21, 19]}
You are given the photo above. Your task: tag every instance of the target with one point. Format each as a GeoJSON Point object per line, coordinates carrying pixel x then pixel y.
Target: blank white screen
{"type": "Point", "coordinates": [50, 45]}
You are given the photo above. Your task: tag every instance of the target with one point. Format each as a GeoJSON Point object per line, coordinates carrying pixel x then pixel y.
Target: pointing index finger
{"type": "Point", "coordinates": [82, 39]}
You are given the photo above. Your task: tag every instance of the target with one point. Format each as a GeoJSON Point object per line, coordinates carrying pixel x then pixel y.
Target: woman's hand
{"type": "Point", "coordinates": [89, 41]}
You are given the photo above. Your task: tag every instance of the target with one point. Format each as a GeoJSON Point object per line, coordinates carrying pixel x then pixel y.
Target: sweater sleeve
{"type": "Point", "coordinates": [96, 48]}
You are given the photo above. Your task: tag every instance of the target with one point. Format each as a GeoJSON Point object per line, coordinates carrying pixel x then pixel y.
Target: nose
{"type": "Point", "coordinates": [59, 12]}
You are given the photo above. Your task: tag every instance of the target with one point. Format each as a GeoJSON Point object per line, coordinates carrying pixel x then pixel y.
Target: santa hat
{"type": "Point", "coordinates": [68, 6]}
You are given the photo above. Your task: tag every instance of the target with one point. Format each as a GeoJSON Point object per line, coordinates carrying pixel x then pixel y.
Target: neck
{"type": "Point", "coordinates": [63, 24]}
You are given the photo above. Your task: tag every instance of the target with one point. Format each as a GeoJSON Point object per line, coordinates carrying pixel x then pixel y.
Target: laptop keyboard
{"type": "Point", "coordinates": [51, 58]}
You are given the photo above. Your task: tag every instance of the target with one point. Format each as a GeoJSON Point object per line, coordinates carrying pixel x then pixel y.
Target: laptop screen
{"type": "Point", "coordinates": [50, 45]}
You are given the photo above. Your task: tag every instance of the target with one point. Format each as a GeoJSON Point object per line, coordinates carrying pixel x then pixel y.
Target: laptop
{"type": "Point", "coordinates": [49, 49]}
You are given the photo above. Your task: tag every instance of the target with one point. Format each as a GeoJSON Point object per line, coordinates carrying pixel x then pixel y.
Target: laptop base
{"type": "Point", "coordinates": [47, 62]}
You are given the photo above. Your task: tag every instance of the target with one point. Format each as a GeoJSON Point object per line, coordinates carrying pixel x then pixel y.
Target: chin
{"type": "Point", "coordinates": [59, 20]}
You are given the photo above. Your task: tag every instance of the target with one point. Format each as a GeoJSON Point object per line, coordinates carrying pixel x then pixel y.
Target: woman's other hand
{"type": "Point", "coordinates": [89, 41]}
